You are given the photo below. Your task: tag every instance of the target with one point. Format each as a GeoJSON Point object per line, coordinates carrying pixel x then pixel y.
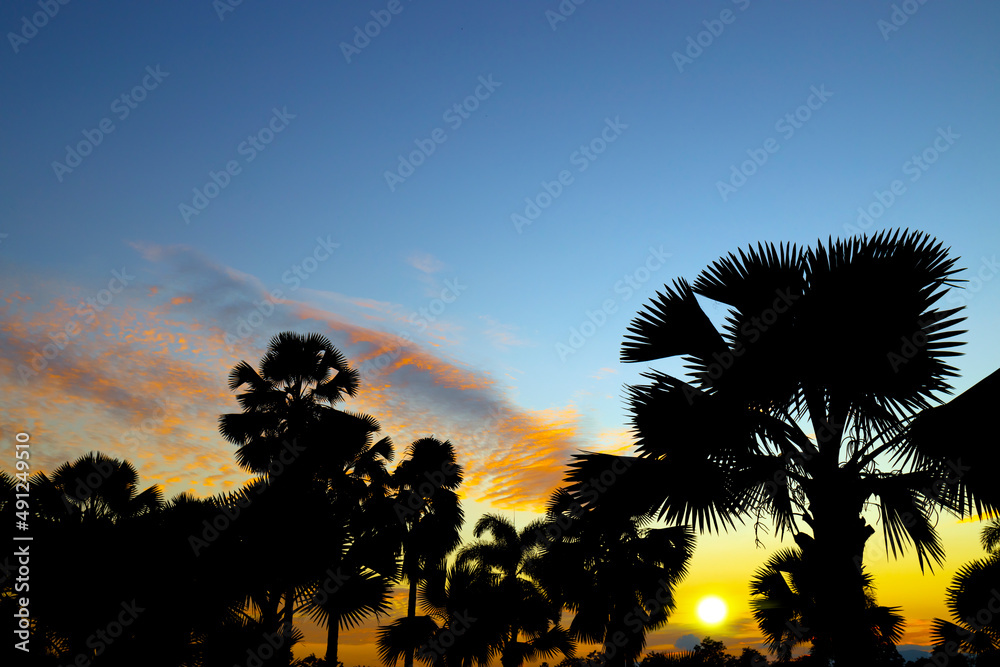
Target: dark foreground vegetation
{"type": "Point", "coordinates": [814, 399]}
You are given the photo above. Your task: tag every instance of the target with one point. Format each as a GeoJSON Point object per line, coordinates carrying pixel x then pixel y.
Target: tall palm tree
{"type": "Point", "coordinates": [614, 571]}
{"type": "Point", "coordinates": [814, 397]}
{"type": "Point", "coordinates": [429, 512]}
{"type": "Point", "coordinates": [971, 599]}
{"type": "Point", "coordinates": [363, 541]}
{"type": "Point", "coordinates": [784, 605]}
{"type": "Point", "coordinates": [290, 432]}
{"type": "Point", "coordinates": [530, 616]}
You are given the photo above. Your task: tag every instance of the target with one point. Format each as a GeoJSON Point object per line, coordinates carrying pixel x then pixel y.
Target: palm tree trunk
{"type": "Point", "coordinates": [411, 612]}
{"type": "Point", "coordinates": [840, 535]}
{"type": "Point", "coordinates": [289, 613]}
{"type": "Point", "coordinates": [332, 638]}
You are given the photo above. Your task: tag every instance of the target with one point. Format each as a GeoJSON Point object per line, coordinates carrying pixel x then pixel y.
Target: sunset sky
{"type": "Point", "coordinates": [472, 204]}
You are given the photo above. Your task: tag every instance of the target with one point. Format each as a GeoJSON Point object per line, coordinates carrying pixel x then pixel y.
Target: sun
{"type": "Point", "coordinates": [711, 610]}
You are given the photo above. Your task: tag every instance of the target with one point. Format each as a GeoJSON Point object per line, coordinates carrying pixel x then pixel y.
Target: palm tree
{"type": "Point", "coordinates": [290, 433]}
{"type": "Point", "coordinates": [462, 626]}
{"type": "Point", "coordinates": [614, 571]}
{"type": "Point", "coordinates": [785, 607]}
{"type": "Point", "coordinates": [807, 346]}
{"type": "Point", "coordinates": [96, 487]}
{"type": "Point", "coordinates": [530, 614]}
{"type": "Point", "coordinates": [364, 541]}
{"type": "Point", "coordinates": [429, 512]}
{"type": "Point", "coordinates": [90, 528]}
{"type": "Point", "coordinates": [971, 599]}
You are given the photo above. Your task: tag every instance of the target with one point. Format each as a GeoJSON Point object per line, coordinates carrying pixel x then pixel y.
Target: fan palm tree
{"type": "Point", "coordinates": [96, 487]}
{"type": "Point", "coordinates": [812, 400]}
{"type": "Point", "coordinates": [362, 545]}
{"type": "Point", "coordinates": [614, 571]}
{"type": "Point", "coordinates": [429, 512]}
{"type": "Point", "coordinates": [974, 602]}
{"type": "Point", "coordinates": [530, 615]}
{"type": "Point", "coordinates": [785, 607]}
{"type": "Point", "coordinates": [94, 510]}
{"type": "Point", "coordinates": [290, 433]}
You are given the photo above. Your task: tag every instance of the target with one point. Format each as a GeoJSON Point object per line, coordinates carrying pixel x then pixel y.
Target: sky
{"type": "Point", "coordinates": [471, 201]}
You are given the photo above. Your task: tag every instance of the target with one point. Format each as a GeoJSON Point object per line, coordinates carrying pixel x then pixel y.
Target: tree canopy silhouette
{"type": "Point", "coordinates": [812, 401]}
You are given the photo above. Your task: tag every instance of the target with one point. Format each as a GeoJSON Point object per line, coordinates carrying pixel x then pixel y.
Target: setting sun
{"type": "Point", "coordinates": [712, 610]}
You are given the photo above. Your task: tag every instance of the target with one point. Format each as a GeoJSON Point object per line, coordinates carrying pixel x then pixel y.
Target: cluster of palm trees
{"type": "Point", "coordinates": [222, 580]}
{"type": "Point", "coordinates": [811, 403]}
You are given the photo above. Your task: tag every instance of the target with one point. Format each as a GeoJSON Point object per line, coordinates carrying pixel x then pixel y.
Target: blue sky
{"type": "Point", "coordinates": [888, 95]}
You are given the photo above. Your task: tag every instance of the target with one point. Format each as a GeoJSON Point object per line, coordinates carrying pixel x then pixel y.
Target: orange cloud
{"type": "Point", "coordinates": [146, 379]}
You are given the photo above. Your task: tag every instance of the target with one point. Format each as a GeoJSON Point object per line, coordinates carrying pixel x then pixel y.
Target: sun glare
{"type": "Point", "coordinates": [711, 610]}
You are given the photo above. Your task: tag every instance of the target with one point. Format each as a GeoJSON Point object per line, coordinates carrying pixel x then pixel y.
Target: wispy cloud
{"type": "Point", "coordinates": [171, 339]}
{"type": "Point", "coordinates": [425, 262]}
{"type": "Point", "coordinates": [501, 335]}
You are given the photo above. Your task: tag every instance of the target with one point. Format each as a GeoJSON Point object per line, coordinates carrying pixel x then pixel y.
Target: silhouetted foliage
{"type": "Point", "coordinates": [973, 599]}
{"type": "Point", "coordinates": [790, 412]}
{"type": "Point", "coordinates": [613, 570]}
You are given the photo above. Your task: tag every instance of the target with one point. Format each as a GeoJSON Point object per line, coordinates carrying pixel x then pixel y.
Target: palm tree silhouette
{"type": "Point", "coordinates": [806, 346]}
{"type": "Point", "coordinates": [462, 627]}
{"type": "Point", "coordinates": [785, 606]}
{"type": "Point", "coordinates": [89, 525]}
{"type": "Point", "coordinates": [971, 599]}
{"type": "Point", "coordinates": [291, 434]}
{"type": "Point", "coordinates": [364, 541]}
{"type": "Point", "coordinates": [530, 624]}
{"type": "Point", "coordinates": [614, 571]}
{"type": "Point", "coordinates": [96, 487]}
{"type": "Point", "coordinates": [429, 513]}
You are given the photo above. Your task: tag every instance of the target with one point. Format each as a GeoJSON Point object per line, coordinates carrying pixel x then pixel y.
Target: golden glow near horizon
{"type": "Point", "coordinates": [712, 610]}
